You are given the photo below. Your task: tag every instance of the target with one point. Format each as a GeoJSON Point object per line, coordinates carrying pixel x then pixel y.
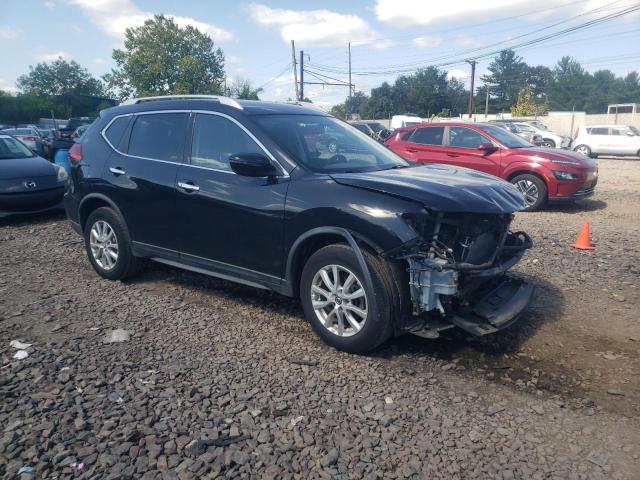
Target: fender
{"type": "Point", "coordinates": [343, 232]}
{"type": "Point", "coordinates": [104, 198]}
{"type": "Point", "coordinates": [525, 166]}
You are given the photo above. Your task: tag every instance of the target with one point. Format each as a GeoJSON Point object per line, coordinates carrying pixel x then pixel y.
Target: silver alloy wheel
{"type": "Point", "coordinates": [529, 190]}
{"type": "Point", "coordinates": [104, 244]}
{"type": "Point", "coordinates": [339, 300]}
{"type": "Point", "coordinates": [583, 149]}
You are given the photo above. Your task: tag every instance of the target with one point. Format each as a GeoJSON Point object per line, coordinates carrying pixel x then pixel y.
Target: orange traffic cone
{"type": "Point", "coordinates": [583, 242]}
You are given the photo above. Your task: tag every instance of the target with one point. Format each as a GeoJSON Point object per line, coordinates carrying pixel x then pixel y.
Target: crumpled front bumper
{"type": "Point", "coordinates": [480, 299]}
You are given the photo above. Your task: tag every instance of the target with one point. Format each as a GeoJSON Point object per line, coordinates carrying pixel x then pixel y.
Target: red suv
{"type": "Point", "coordinates": [541, 174]}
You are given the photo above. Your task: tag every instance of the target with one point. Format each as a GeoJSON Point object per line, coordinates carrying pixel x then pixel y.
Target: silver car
{"type": "Point", "coordinates": [594, 140]}
{"type": "Point", "coordinates": [30, 136]}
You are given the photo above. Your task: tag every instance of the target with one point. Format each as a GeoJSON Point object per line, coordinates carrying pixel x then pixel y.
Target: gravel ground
{"type": "Point", "coordinates": [220, 380]}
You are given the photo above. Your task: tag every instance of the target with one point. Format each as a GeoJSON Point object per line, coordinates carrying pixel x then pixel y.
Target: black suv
{"type": "Point", "coordinates": [240, 190]}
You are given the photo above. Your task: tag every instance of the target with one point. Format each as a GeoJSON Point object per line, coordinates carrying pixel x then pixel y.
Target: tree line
{"type": "Point", "coordinates": [565, 86]}
{"type": "Point", "coordinates": [158, 58]}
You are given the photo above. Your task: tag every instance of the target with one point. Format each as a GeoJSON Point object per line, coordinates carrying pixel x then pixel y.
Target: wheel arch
{"type": "Point", "coordinates": [313, 240]}
{"type": "Point", "coordinates": [92, 202]}
{"type": "Point", "coordinates": [517, 172]}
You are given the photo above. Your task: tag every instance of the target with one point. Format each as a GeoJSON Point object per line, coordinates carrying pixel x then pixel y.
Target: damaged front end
{"type": "Point", "coordinates": [457, 272]}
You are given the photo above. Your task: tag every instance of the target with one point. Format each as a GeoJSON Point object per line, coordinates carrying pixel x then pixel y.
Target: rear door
{"type": "Point", "coordinates": [462, 150]}
{"type": "Point", "coordinates": [142, 174]}
{"type": "Point", "coordinates": [623, 142]}
{"type": "Point", "coordinates": [424, 145]}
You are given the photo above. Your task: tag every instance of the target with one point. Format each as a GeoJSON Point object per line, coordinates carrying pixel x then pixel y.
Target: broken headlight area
{"type": "Point", "coordinates": [457, 272]}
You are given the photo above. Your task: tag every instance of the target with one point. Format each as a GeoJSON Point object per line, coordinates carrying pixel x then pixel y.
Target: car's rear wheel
{"type": "Point", "coordinates": [108, 245]}
{"type": "Point", "coordinates": [342, 308]}
{"type": "Point", "coordinates": [583, 149]}
{"type": "Point", "coordinates": [533, 189]}
{"type": "Point", "coordinates": [547, 142]}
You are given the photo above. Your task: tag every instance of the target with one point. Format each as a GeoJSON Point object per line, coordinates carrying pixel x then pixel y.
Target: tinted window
{"type": "Point", "coordinates": [619, 131]}
{"type": "Point", "coordinates": [466, 138]}
{"type": "Point", "coordinates": [598, 131]}
{"type": "Point", "coordinates": [508, 139]}
{"type": "Point", "coordinates": [362, 128]}
{"type": "Point", "coordinates": [159, 136]}
{"type": "Point", "coordinates": [428, 136]}
{"type": "Point", "coordinates": [215, 139]}
{"type": "Point", "coordinates": [116, 130]}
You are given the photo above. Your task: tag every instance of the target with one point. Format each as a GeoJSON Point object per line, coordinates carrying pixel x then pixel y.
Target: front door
{"type": "Point", "coordinates": [228, 221]}
{"type": "Point", "coordinates": [463, 150]}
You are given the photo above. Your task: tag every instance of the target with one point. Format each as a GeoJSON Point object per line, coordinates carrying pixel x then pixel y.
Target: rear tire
{"type": "Point", "coordinates": [534, 190]}
{"type": "Point", "coordinates": [108, 245]}
{"type": "Point", "coordinates": [326, 311]}
{"type": "Point", "coordinates": [547, 142]}
{"type": "Point", "coordinates": [584, 150]}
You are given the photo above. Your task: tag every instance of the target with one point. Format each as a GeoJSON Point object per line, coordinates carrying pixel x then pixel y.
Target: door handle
{"type": "Point", "coordinates": [189, 187]}
{"type": "Point", "coordinates": [412, 150]}
{"type": "Point", "coordinates": [117, 171]}
{"type": "Point", "coordinates": [452, 155]}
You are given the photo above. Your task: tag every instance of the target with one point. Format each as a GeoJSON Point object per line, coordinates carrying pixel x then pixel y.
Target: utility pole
{"type": "Point", "coordinates": [473, 77]}
{"type": "Point", "coordinates": [301, 75]}
{"type": "Point", "coordinates": [486, 102]}
{"type": "Point", "coordinates": [350, 89]}
{"type": "Point", "coordinates": [295, 72]}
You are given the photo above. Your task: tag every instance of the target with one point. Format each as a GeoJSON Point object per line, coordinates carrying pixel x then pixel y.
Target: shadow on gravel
{"type": "Point", "coordinates": [32, 219]}
{"type": "Point", "coordinates": [547, 306]}
{"type": "Point", "coordinates": [577, 206]}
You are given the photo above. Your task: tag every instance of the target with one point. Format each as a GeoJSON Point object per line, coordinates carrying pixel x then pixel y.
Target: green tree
{"type": "Point", "coordinates": [354, 103]}
{"type": "Point", "coordinates": [59, 77]}
{"type": "Point", "coordinates": [160, 58]}
{"type": "Point", "coordinates": [525, 104]}
{"type": "Point", "coordinates": [243, 89]}
{"type": "Point", "coordinates": [570, 85]}
{"type": "Point", "coordinates": [508, 73]}
{"type": "Point", "coordinates": [338, 111]}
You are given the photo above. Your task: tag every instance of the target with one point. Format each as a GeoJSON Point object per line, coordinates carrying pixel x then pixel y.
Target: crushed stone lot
{"type": "Point", "coordinates": [204, 379]}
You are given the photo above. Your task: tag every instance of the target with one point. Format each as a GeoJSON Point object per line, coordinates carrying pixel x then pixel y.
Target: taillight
{"type": "Point", "coordinates": [75, 152]}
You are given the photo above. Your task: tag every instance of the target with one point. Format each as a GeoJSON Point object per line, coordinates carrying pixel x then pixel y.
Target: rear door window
{"type": "Point", "coordinates": [427, 136]}
{"type": "Point", "coordinates": [598, 131]}
{"type": "Point", "coordinates": [159, 136]}
{"type": "Point", "coordinates": [217, 138]}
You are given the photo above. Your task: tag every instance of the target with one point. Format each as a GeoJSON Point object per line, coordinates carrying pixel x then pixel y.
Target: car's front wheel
{"type": "Point", "coordinates": [108, 245]}
{"type": "Point", "coordinates": [533, 189]}
{"type": "Point", "coordinates": [583, 149]}
{"type": "Point", "coordinates": [547, 142]}
{"type": "Point", "coordinates": [343, 309]}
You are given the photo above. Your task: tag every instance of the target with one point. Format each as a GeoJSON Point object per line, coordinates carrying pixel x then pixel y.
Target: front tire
{"type": "Point", "coordinates": [533, 189]}
{"type": "Point", "coordinates": [584, 150]}
{"type": "Point", "coordinates": [343, 310]}
{"type": "Point", "coordinates": [108, 245]}
{"type": "Point", "coordinates": [547, 142]}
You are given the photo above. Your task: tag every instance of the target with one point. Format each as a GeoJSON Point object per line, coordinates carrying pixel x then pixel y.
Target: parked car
{"type": "Point", "coordinates": [28, 183]}
{"type": "Point", "coordinates": [541, 174]}
{"type": "Point", "coordinates": [594, 140]}
{"type": "Point", "coordinates": [48, 136]}
{"type": "Point", "coordinates": [549, 138]}
{"type": "Point", "coordinates": [528, 134]}
{"type": "Point", "coordinates": [374, 129]}
{"type": "Point", "coordinates": [30, 136]}
{"type": "Point", "coordinates": [75, 136]}
{"type": "Point", "coordinates": [400, 121]}
{"type": "Point", "coordinates": [235, 190]}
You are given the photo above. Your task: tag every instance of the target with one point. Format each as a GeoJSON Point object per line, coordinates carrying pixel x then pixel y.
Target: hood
{"type": "Point", "coordinates": [31, 167]}
{"type": "Point", "coordinates": [441, 188]}
{"type": "Point", "coordinates": [551, 154]}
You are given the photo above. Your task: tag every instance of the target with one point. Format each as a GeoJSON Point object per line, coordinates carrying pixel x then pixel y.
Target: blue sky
{"type": "Point", "coordinates": [387, 36]}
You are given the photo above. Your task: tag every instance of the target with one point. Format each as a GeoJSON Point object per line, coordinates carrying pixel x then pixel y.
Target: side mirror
{"type": "Point", "coordinates": [252, 165]}
{"type": "Point", "coordinates": [487, 147]}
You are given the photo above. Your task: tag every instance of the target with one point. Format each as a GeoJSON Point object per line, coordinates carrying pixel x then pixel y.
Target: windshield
{"type": "Point", "coordinates": [11, 148]}
{"type": "Point", "coordinates": [539, 125]}
{"type": "Point", "coordinates": [18, 131]}
{"type": "Point", "coordinates": [635, 130]}
{"type": "Point", "coordinates": [328, 145]}
{"type": "Point", "coordinates": [506, 138]}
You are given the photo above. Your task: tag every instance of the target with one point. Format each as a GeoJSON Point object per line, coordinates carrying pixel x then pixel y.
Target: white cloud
{"type": "Point", "coordinates": [7, 87]}
{"type": "Point", "coordinates": [7, 33]}
{"type": "Point", "coordinates": [466, 41]}
{"type": "Point", "coordinates": [407, 13]}
{"type": "Point", "coordinates": [322, 28]}
{"type": "Point", "coordinates": [459, 74]}
{"type": "Point", "coordinates": [99, 61]}
{"type": "Point", "coordinates": [428, 41]}
{"type": "Point", "coordinates": [51, 56]}
{"type": "Point", "coordinates": [115, 16]}
{"type": "Point", "coordinates": [50, 5]}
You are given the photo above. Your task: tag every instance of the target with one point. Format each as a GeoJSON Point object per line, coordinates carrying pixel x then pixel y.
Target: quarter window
{"type": "Point", "coordinates": [427, 136]}
{"type": "Point", "coordinates": [116, 130]}
{"type": "Point", "coordinates": [619, 131]}
{"type": "Point", "coordinates": [462, 137]}
{"type": "Point", "coordinates": [215, 139]}
{"type": "Point", "coordinates": [159, 136]}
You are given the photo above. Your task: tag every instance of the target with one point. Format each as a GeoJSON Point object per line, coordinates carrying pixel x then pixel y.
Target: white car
{"type": "Point", "coordinates": [549, 139]}
{"type": "Point", "coordinates": [399, 121]}
{"type": "Point", "coordinates": [594, 140]}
